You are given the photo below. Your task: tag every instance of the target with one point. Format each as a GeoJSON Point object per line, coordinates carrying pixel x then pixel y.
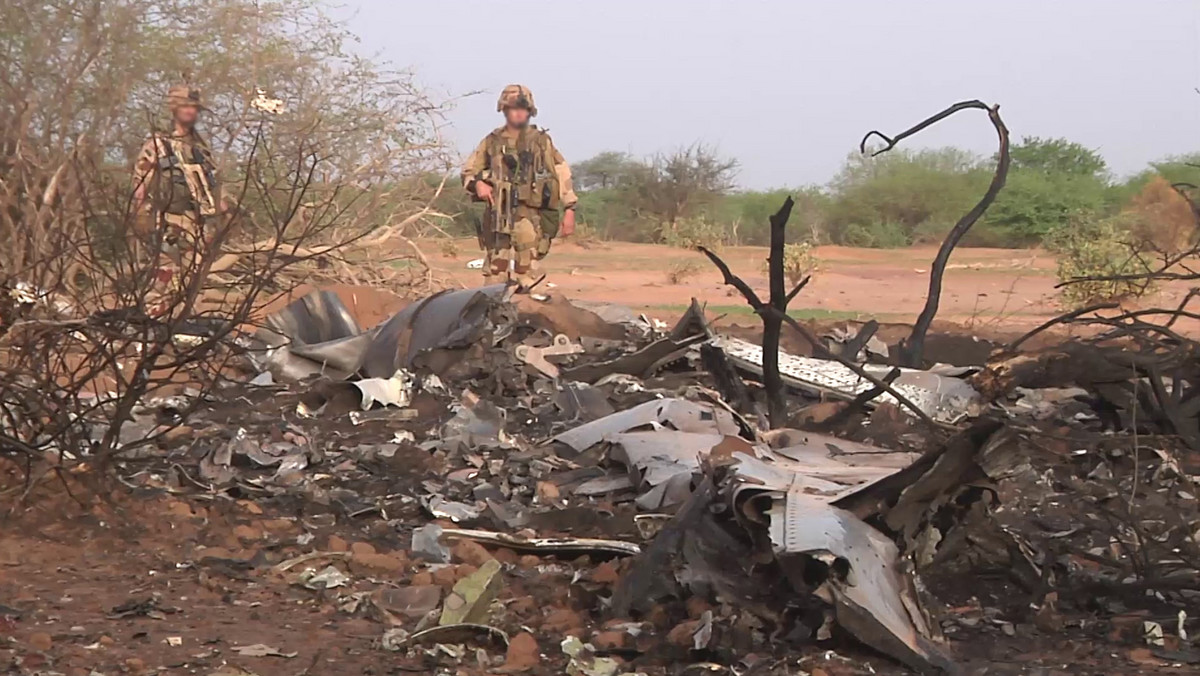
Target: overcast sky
{"type": "Point", "coordinates": [789, 87]}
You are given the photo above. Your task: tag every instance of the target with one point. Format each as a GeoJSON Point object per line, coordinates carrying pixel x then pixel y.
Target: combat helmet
{"type": "Point", "coordinates": [182, 95]}
{"type": "Point", "coordinates": [516, 96]}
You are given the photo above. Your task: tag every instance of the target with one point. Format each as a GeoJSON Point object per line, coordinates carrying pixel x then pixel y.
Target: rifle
{"type": "Point", "coordinates": [198, 181]}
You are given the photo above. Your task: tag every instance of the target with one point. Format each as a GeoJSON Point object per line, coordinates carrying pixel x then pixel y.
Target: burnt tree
{"type": "Point", "coordinates": [773, 314]}
{"type": "Point", "coordinates": [912, 350]}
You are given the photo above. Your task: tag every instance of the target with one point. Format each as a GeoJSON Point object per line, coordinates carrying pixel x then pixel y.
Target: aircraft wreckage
{"type": "Point", "coordinates": [806, 530]}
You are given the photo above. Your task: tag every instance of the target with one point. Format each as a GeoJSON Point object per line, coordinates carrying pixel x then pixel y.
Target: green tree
{"type": "Point", "coordinates": [1058, 156]}
{"type": "Point", "coordinates": [606, 170]}
{"type": "Point", "coordinates": [903, 196]}
{"type": "Point", "coordinates": [1052, 183]}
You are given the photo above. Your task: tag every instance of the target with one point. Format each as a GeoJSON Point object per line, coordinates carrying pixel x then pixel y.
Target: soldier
{"type": "Point", "coordinates": [175, 185]}
{"type": "Point", "coordinates": [524, 180]}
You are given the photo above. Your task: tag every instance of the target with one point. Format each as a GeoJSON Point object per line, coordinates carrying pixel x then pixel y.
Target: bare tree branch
{"type": "Point", "coordinates": [912, 350]}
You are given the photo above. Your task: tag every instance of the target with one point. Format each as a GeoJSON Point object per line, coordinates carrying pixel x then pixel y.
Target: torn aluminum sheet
{"type": "Point", "coordinates": [396, 391]}
{"type": "Point", "coordinates": [446, 319]}
{"type": "Point", "coordinates": [440, 508]}
{"type": "Point", "coordinates": [788, 495]}
{"type": "Point", "coordinates": [316, 334]}
{"type": "Point", "coordinates": [427, 545]}
{"type": "Point", "coordinates": [477, 424]}
{"type": "Point", "coordinates": [663, 461]}
{"type": "Point", "coordinates": [943, 398]}
{"type": "Point", "coordinates": [872, 598]}
{"type": "Point", "coordinates": [642, 363]}
{"type": "Point", "coordinates": [679, 414]}
{"type": "Point", "coordinates": [844, 335]}
{"type": "Point", "coordinates": [544, 545]}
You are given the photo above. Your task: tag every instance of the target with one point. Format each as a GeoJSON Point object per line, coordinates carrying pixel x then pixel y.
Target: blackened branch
{"type": "Point", "coordinates": [912, 350]}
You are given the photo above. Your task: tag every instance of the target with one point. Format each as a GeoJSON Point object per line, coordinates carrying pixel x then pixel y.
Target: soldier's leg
{"type": "Point", "coordinates": [524, 243]}
{"type": "Point", "coordinates": [496, 263]}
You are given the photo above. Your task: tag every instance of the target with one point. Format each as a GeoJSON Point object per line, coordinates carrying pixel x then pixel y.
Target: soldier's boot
{"type": "Point", "coordinates": [495, 269]}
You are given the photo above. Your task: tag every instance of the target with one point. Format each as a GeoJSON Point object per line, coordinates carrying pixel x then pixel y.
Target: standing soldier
{"type": "Point", "coordinates": [175, 186]}
{"type": "Point", "coordinates": [524, 180]}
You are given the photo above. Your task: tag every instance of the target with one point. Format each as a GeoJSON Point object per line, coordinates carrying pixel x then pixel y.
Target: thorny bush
{"type": "Point", "coordinates": [1105, 258]}
{"type": "Point", "coordinates": [96, 347]}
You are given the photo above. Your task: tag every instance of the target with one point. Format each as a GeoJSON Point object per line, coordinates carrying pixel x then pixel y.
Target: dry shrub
{"type": "Point", "coordinates": [1100, 261]}
{"type": "Point", "coordinates": [1161, 217]}
{"type": "Point", "coordinates": [798, 261]}
{"type": "Point", "coordinates": [683, 269]}
{"type": "Point", "coordinates": [91, 334]}
{"type": "Point", "coordinates": [586, 235]}
{"type": "Point", "coordinates": [449, 248]}
{"type": "Point", "coordinates": [689, 233]}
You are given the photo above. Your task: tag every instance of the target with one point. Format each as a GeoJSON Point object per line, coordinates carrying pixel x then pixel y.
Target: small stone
{"type": "Point", "coordinates": [177, 508]}
{"type": "Point", "coordinates": [681, 635]}
{"type": "Point", "coordinates": [547, 491]}
{"type": "Point", "coordinates": [605, 573]}
{"type": "Point", "coordinates": [464, 570]}
{"type": "Point", "coordinates": [386, 563]}
{"type": "Point", "coordinates": [336, 544]}
{"type": "Point", "coordinates": [610, 640]}
{"type": "Point", "coordinates": [362, 549]}
{"type": "Point", "coordinates": [506, 556]}
{"type": "Point", "coordinates": [106, 640]}
{"type": "Point", "coordinates": [523, 653]}
{"type": "Point", "coordinates": [529, 561]}
{"type": "Point", "coordinates": [247, 533]}
{"type": "Point", "coordinates": [470, 552]}
{"type": "Point", "coordinates": [697, 606]}
{"type": "Point", "coordinates": [176, 434]}
{"type": "Point", "coordinates": [658, 616]}
{"type": "Point", "coordinates": [445, 576]}
{"type": "Point", "coordinates": [135, 665]}
{"type": "Point", "coordinates": [422, 579]}
{"type": "Point", "coordinates": [562, 621]}
{"type": "Point", "coordinates": [280, 525]}
{"type": "Point", "coordinates": [250, 506]}
{"type": "Point", "coordinates": [818, 671]}
{"type": "Point", "coordinates": [41, 641]}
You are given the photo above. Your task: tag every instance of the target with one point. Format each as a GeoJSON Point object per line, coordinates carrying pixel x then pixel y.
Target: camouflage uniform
{"type": "Point", "coordinates": [539, 183]}
{"type": "Point", "coordinates": [174, 211]}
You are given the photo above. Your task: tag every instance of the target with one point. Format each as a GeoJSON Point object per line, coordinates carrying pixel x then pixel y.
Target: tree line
{"type": "Point", "coordinates": [688, 196]}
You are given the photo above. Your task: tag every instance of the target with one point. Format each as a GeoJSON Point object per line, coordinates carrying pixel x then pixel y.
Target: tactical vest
{"type": "Point", "coordinates": [528, 165]}
{"type": "Point", "coordinates": [174, 195]}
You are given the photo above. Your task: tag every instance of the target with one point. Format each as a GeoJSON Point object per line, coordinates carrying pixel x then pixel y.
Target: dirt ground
{"type": "Point", "coordinates": [986, 291]}
{"type": "Point", "coordinates": [138, 581]}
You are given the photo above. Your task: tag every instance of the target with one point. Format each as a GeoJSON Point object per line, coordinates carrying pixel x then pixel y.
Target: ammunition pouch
{"type": "Point", "coordinates": [549, 222]}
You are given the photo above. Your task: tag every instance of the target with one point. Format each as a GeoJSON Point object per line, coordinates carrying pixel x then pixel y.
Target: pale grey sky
{"type": "Point", "coordinates": [790, 86]}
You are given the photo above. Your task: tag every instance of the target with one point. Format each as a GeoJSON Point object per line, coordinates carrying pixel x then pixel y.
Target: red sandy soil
{"type": "Point", "coordinates": [64, 568]}
{"type": "Point", "coordinates": [985, 290]}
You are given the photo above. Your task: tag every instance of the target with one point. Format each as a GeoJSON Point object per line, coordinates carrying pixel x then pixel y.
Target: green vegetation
{"type": "Point", "coordinates": [687, 197]}
{"type": "Point", "coordinates": [1096, 260]}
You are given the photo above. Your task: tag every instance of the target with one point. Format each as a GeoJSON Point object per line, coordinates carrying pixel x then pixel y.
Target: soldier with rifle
{"type": "Point", "coordinates": [525, 182]}
{"type": "Point", "coordinates": [175, 185]}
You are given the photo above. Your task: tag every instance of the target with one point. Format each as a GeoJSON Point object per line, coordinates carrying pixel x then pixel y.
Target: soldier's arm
{"type": "Point", "coordinates": [143, 172]}
{"type": "Point", "coordinates": [566, 189]}
{"type": "Point", "coordinates": [474, 167]}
